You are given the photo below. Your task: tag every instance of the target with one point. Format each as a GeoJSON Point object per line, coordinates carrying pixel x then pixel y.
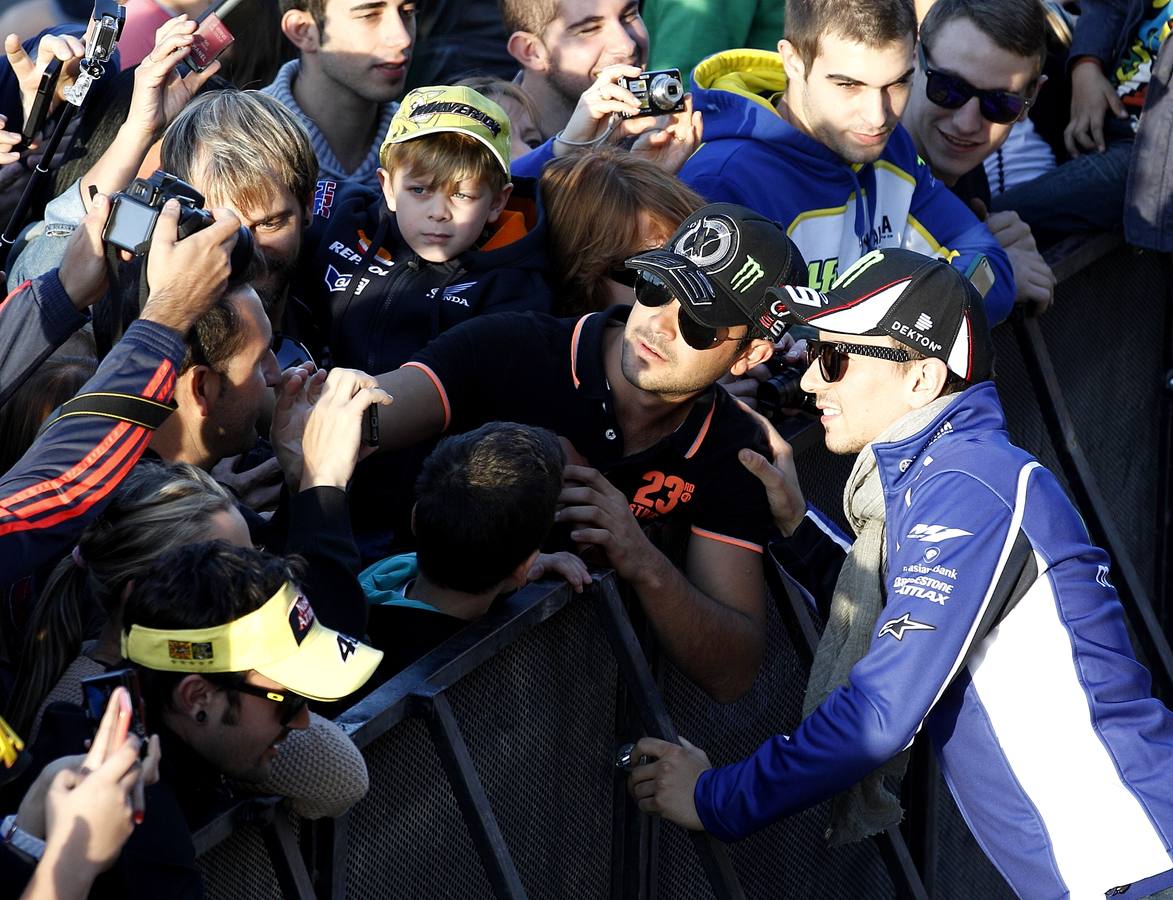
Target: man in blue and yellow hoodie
{"type": "Point", "coordinates": [810, 137]}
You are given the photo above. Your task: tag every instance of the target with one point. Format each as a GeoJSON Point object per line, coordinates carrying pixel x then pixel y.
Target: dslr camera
{"type": "Point", "coordinates": [134, 212]}
{"type": "Point", "coordinates": [782, 390]}
{"type": "Point", "coordinates": [659, 92]}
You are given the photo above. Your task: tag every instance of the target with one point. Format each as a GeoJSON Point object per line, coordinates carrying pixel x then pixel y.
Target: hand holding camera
{"type": "Point", "coordinates": [186, 273]}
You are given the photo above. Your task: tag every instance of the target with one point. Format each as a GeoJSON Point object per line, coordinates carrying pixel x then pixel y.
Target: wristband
{"type": "Point", "coordinates": [19, 839]}
{"type": "Point", "coordinates": [1079, 61]}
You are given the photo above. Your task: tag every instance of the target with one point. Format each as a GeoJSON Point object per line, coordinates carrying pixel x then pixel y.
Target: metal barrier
{"type": "Point", "coordinates": [491, 759]}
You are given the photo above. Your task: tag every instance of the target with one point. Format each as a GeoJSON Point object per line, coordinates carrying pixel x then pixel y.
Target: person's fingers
{"type": "Point", "coordinates": [1116, 104]}
{"type": "Point", "coordinates": [100, 746]}
{"type": "Point", "coordinates": [72, 48]}
{"type": "Point", "coordinates": [685, 744]}
{"type": "Point", "coordinates": [650, 746]}
{"type": "Point", "coordinates": [1097, 133]}
{"type": "Point", "coordinates": [18, 57]}
{"type": "Point", "coordinates": [152, 759]}
{"type": "Point", "coordinates": [167, 224]}
{"type": "Point", "coordinates": [595, 537]}
{"type": "Point", "coordinates": [760, 468]}
{"type": "Point", "coordinates": [1069, 140]}
{"type": "Point", "coordinates": [196, 80]}
{"type": "Point", "coordinates": [979, 208]}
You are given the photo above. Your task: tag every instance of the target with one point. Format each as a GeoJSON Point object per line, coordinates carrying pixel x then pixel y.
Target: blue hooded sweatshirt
{"type": "Point", "coordinates": [754, 157]}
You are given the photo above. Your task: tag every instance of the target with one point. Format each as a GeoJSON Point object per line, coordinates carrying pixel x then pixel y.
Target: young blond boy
{"type": "Point", "coordinates": [449, 236]}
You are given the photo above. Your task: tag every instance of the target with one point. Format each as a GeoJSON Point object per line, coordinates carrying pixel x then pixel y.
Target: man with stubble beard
{"type": "Point", "coordinates": [632, 390]}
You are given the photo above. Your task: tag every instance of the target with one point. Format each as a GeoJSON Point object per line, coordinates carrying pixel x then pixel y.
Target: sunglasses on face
{"type": "Point", "coordinates": [625, 276]}
{"type": "Point", "coordinates": [953, 92]}
{"type": "Point", "coordinates": [833, 355]}
{"type": "Point", "coordinates": [290, 704]}
{"type": "Point", "coordinates": [651, 291]}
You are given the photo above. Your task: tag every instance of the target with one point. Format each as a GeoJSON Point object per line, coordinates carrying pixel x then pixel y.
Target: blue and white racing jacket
{"type": "Point", "coordinates": [1003, 637]}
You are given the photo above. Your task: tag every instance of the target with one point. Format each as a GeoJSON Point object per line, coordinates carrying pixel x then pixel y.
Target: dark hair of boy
{"type": "Point", "coordinates": [202, 586]}
{"type": "Point", "coordinates": [485, 502]}
{"type": "Point", "coordinates": [873, 23]}
{"type": "Point", "coordinates": [1017, 26]}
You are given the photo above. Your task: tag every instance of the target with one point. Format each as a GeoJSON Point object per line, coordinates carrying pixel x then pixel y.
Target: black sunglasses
{"type": "Point", "coordinates": [651, 291]}
{"type": "Point", "coordinates": [832, 356]}
{"type": "Point", "coordinates": [624, 275]}
{"type": "Point", "coordinates": [290, 704]}
{"type": "Point", "coordinates": [953, 92]}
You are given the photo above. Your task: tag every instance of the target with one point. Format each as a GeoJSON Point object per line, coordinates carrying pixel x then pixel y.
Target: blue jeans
{"type": "Point", "coordinates": [1083, 194]}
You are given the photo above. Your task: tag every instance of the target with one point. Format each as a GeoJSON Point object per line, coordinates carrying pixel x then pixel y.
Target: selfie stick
{"type": "Point", "coordinates": [109, 17]}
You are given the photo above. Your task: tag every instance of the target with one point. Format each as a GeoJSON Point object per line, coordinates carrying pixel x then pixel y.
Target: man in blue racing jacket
{"type": "Point", "coordinates": [971, 603]}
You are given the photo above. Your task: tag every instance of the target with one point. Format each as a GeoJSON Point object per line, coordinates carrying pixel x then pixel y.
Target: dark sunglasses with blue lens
{"type": "Point", "coordinates": [953, 92]}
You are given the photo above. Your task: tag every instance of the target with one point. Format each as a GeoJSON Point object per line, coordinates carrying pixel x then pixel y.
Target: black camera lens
{"type": "Point", "coordinates": [783, 390]}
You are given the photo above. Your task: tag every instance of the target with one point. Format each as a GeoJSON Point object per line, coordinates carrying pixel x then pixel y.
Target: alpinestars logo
{"type": "Point", "coordinates": [898, 627]}
{"type": "Point", "coordinates": [335, 280]}
{"type": "Point", "coordinates": [934, 534]}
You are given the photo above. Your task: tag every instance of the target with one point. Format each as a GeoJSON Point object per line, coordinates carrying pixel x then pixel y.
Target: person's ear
{"type": "Point", "coordinates": [204, 388]}
{"type": "Point", "coordinates": [792, 62]}
{"type": "Point", "coordinates": [758, 351]}
{"type": "Point", "coordinates": [499, 202]}
{"type": "Point", "coordinates": [386, 183]}
{"type": "Point", "coordinates": [926, 381]}
{"type": "Point", "coordinates": [529, 51]}
{"type": "Point", "coordinates": [193, 697]}
{"type": "Point", "coordinates": [301, 30]}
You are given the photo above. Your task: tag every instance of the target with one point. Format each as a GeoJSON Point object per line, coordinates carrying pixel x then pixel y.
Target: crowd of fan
{"type": "Point", "coordinates": [191, 488]}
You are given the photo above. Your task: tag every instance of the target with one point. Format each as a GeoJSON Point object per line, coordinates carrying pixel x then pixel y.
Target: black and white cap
{"type": "Point", "coordinates": [720, 263]}
{"type": "Point", "coordinates": [920, 301]}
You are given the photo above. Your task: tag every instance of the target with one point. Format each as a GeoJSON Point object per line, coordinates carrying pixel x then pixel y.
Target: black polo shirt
{"type": "Point", "coordinates": [539, 370]}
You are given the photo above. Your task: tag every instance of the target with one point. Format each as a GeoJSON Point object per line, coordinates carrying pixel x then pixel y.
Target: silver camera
{"type": "Point", "coordinates": [659, 92]}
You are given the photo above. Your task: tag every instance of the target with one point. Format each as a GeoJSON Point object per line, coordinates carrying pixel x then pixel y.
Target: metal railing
{"type": "Point", "coordinates": [491, 759]}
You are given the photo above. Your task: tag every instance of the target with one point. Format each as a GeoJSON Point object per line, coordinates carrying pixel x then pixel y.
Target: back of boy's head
{"type": "Point", "coordinates": [485, 501]}
{"type": "Point", "coordinates": [447, 134]}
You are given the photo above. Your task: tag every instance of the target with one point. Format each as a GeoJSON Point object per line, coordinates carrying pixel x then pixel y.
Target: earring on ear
{"type": "Point", "coordinates": [201, 717]}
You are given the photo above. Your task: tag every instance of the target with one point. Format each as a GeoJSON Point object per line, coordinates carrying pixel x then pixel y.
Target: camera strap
{"type": "Point", "coordinates": [125, 407]}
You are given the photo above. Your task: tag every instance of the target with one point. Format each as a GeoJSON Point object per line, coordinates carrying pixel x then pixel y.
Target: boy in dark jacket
{"type": "Point", "coordinates": [448, 238]}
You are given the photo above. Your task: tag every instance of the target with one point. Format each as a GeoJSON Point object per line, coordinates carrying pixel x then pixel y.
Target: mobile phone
{"type": "Point", "coordinates": [981, 275]}
{"type": "Point", "coordinates": [210, 40]}
{"type": "Point", "coordinates": [370, 426]}
{"type": "Point", "coordinates": [43, 100]}
{"type": "Point", "coordinates": [95, 693]}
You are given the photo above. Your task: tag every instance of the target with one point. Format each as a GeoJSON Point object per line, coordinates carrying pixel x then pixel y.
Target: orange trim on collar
{"type": "Point", "coordinates": [700, 438]}
{"type": "Point", "coordinates": [510, 228]}
{"type": "Point", "coordinates": [574, 349]}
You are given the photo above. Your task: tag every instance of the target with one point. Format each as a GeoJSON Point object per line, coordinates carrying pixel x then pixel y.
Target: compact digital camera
{"type": "Point", "coordinates": [659, 92]}
{"type": "Point", "coordinates": [134, 212]}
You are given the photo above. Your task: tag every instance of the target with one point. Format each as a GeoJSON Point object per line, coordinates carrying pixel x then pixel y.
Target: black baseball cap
{"type": "Point", "coordinates": [920, 301]}
{"type": "Point", "coordinates": [720, 263]}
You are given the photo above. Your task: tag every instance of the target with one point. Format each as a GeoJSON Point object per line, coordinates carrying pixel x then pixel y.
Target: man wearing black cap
{"type": "Point", "coordinates": [971, 605]}
{"type": "Point", "coordinates": [632, 389]}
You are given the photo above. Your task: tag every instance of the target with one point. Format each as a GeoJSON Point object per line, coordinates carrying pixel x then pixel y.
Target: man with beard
{"type": "Point", "coordinates": [819, 120]}
{"type": "Point", "coordinates": [653, 441]}
{"type": "Point", "coordinates": [563, 45]}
